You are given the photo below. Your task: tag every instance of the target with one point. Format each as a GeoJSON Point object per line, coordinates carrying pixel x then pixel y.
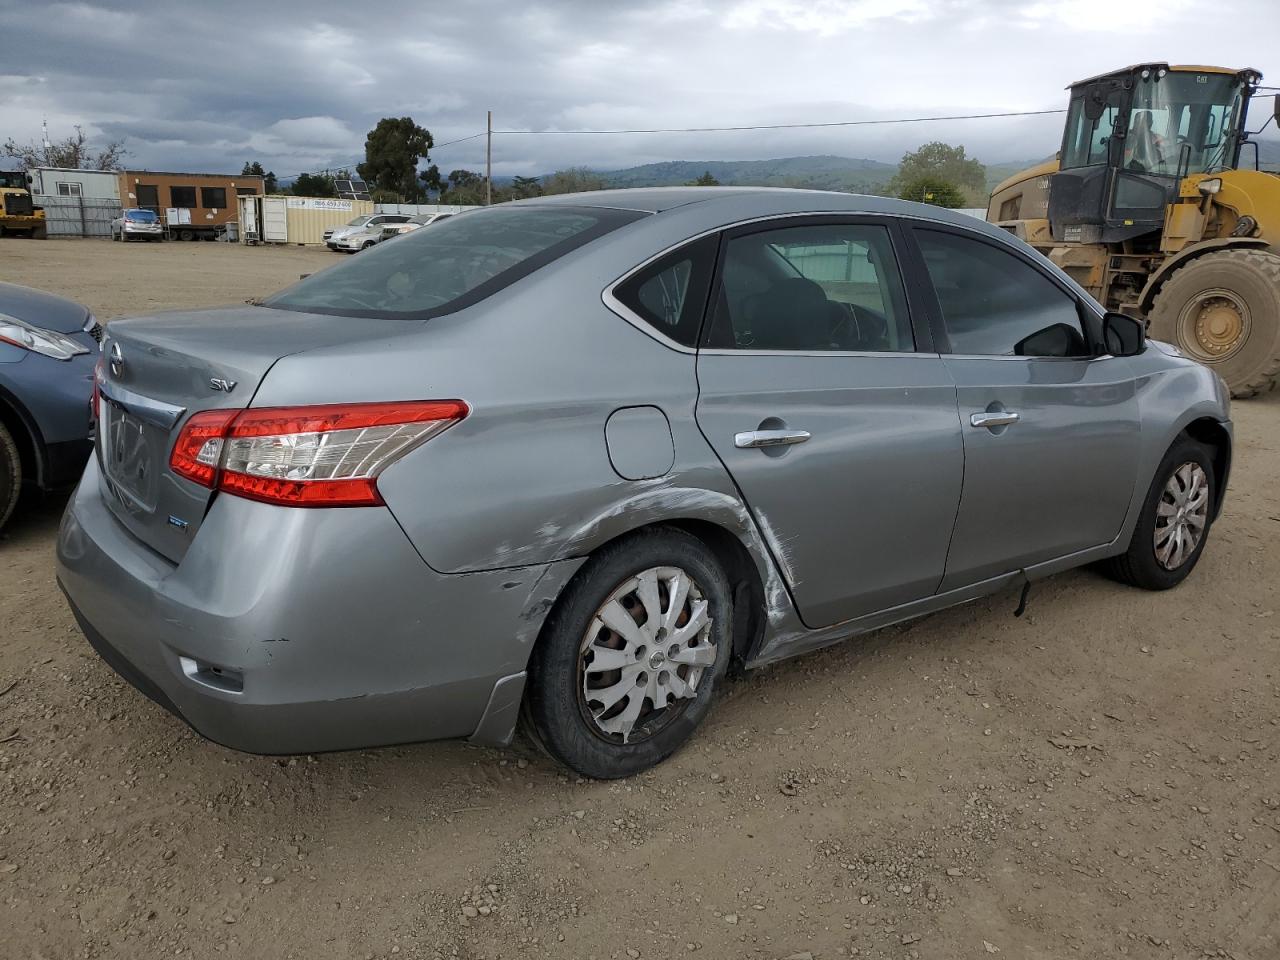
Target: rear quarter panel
{"type": "Point", "coordinates": [526, 478]}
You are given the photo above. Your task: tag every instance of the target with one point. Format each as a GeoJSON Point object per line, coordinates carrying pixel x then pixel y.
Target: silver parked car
{"type": "Point", "coordinates": [567, 459]}
{"type": "Point", "coordinates": [368, 224]}
{"type": "Point", "coordinates": [137, 225]}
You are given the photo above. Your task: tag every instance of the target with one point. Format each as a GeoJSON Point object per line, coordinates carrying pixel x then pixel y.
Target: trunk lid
{"type": "Point", "coordinates": [160, 369]}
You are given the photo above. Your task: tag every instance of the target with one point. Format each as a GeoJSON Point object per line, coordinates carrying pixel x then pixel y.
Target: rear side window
{"type": "Point", "coordinates": [428, 273]}
{"type": "Point", "coordinates": [995, 304]}
{"type": "Point", "coordinates": [671, 293]}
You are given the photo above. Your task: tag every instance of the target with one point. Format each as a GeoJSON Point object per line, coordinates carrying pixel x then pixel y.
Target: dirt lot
{"type": "Point", "coordinates": [1098, 778]}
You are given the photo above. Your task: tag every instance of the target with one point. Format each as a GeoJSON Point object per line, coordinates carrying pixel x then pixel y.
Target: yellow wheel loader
{"type": "Point", "coordinates": [19, 216]}
{"type": "Point", "coordinates": [1149, 207]}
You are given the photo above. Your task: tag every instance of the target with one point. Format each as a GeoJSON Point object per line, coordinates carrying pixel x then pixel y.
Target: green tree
{"type": "Point", "coordinates": [73, 153]}
{"type": "Point", "coordinates": [933, 190]}
{"type": "Point", "coordinates": [525, 187]}
{"type": "Point", "coordinates": [573, 180]}
{"type": "Point", "coordinates": [706, 180]}
{"type": "Point", "coordinates": [944, 162]}
{"type": "Point", "coordinates": [465, 186]}
{"type": "Point", "coordinates": [269, 184]}
{"type": "Point", "coordinates": [391, 154]}
{"type": "Point", "coordinates": [314, 185]}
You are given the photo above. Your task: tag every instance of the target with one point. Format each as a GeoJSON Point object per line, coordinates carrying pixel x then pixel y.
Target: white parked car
{"type": "Point", "coordinates": [363, 224]}
{"type": "Point", "coordinates": [137, 225]}
{"type": "Point", "coordinates": [413, 223]}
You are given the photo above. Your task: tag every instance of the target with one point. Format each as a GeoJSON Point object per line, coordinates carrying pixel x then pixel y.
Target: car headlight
{"type": "Point", "coordinates": [46, 342]}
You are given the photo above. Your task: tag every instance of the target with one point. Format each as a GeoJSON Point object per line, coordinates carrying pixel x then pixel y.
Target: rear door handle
{"type": "Point", "coordinates": [998, 418]}
{"type": "Point", "coordinates": [754, 439]}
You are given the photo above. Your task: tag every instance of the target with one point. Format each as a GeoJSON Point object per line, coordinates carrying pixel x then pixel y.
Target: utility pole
{"type": "Point", "coordinates": [488, 160]}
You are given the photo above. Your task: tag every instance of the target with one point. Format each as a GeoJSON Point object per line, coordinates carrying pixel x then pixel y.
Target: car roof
{"type": "Point", "coordinates": [737, 203]}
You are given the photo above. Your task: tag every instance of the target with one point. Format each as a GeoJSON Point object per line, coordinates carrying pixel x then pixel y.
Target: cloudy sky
{"type": "Point", "coordinates": [204, 86]}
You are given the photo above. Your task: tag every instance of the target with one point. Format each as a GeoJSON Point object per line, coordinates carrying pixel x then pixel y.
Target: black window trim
{"type": "Point", "coordinates": [902, 247]}
{"type": "Point", "coordinates": [615, 303]}
{"type": "Point", "coordinates": [1090, 318]}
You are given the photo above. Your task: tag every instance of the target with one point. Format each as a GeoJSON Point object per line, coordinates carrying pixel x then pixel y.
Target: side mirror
{"type": "Point", "coordinates": [1123, 336]}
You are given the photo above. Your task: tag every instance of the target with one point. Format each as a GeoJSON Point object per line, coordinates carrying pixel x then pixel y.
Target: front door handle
{"type": "Point", "coordinates": [754, 439]}
{"type": "Point", "coordinates": [998, 418]}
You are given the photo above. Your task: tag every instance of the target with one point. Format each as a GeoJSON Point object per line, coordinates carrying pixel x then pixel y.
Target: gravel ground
{"type": "Point", "coordinates": [1098, 778]}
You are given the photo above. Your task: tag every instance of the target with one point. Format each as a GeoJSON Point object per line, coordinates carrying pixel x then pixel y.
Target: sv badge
{"type": "Point", "coordinates": [223, 386]}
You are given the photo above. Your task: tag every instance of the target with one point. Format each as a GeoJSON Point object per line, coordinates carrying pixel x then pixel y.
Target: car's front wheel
{"type": "Point", "coordinates": [10, 475]}
{"type": "Point", "coordinates": [1174, 525]}
{"type": "Point", "coordinates": [631, 654]}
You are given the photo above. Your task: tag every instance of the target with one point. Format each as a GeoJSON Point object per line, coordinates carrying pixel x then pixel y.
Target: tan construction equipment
{"type": "Point", "coordinates": [19, 216]}
{"type": "Point", "coordinates": [1149, 208]}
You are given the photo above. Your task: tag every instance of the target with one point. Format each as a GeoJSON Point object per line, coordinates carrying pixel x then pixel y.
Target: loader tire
{"type": "Point", "coordinates": [1223, 309]}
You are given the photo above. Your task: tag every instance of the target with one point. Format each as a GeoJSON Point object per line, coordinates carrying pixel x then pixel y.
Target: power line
{"type": "Point", "coordinates": [783, 126]}
{"type": "Point", "coordinates": [733, 129]}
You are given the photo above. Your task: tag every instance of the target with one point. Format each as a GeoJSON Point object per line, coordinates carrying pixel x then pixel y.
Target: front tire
{"type": "Point", "coordinates": [629, 658]}
{"type": "Point", "coordinates": [1223, 309]}
{"type": "Point", "coordinates": [1174, 524]}
{"type": "Point", "coordinates": [10, 475]}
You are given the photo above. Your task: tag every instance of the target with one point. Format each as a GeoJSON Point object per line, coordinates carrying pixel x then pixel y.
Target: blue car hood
{"type": "Point", "coordinates": [42, 309]}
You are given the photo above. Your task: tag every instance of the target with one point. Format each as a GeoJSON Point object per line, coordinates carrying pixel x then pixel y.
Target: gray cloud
{"type": "Point", "coordinates": [297, 85]}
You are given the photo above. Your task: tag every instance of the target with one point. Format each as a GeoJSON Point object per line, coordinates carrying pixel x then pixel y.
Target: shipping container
{"type": "Point", "coordinates": [296, 220]}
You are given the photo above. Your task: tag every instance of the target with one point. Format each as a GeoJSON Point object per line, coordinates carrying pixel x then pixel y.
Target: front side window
{"type": "Point", "coordinates": [428, 273]}
{"type": "Point", "coordinates": [1091, 120]}
{"type": "Point", "coordinates": [818, 287]}
{"type": "Point", "coordinates": [671, 294]}
{"type": "Point", "coordinates": [995, 304]}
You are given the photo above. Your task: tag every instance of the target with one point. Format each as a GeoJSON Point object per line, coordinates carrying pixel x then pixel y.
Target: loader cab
{"type": "Point", "coordinates": [1130, 138]}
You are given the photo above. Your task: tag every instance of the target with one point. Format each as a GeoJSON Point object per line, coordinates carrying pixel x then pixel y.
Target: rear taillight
{"type": "Point", "coordinates": [317, 456]}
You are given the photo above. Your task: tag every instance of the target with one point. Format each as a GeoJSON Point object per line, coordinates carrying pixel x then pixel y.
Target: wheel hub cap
{"type": "Point", "coordinates": [1215, 325]}
{"type": "Point", "coordinates": [1182, 514]}
{"type": "Point", "coordinates": [644, 654]}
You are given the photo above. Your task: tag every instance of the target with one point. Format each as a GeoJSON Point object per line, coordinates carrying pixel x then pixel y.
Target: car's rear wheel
{"type": "Point", "coordinates": [367, 245]}
{"type": "Point", "coordinates": [629, 658]}
{"type": "Point", "coordinates": [1174, 525]}
{"type": "Point", "coordinates": [10, 475]}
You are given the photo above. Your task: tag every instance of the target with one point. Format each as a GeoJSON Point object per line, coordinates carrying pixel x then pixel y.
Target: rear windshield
{"type": "Point", "coordinates": [142, 216]}
{"type": "Point", "coordinates": [428, 273]}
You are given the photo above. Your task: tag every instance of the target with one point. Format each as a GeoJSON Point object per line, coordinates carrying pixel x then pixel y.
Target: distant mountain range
{"type": "Point", "coordinates": [851, 174]}
{"type": "Point", "coordinates": [819, 173]}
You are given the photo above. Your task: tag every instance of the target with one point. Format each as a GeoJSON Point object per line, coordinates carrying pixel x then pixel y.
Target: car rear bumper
{"type": "Point", "coordinates": [289, 630]}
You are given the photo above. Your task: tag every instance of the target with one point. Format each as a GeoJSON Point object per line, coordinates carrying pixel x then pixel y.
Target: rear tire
{"type": "Point", "coordinates": [1202, 305]}
{"type": "Point", "coordinates": [565, 697]}
{"type": "Point", "coordinates": [10, 475]}
{"type": "Point", "coordinates": [1141, 565]}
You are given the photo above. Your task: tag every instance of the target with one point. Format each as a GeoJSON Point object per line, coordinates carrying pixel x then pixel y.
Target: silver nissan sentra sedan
{"type": "Point", "coordinates": [562, 462]}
